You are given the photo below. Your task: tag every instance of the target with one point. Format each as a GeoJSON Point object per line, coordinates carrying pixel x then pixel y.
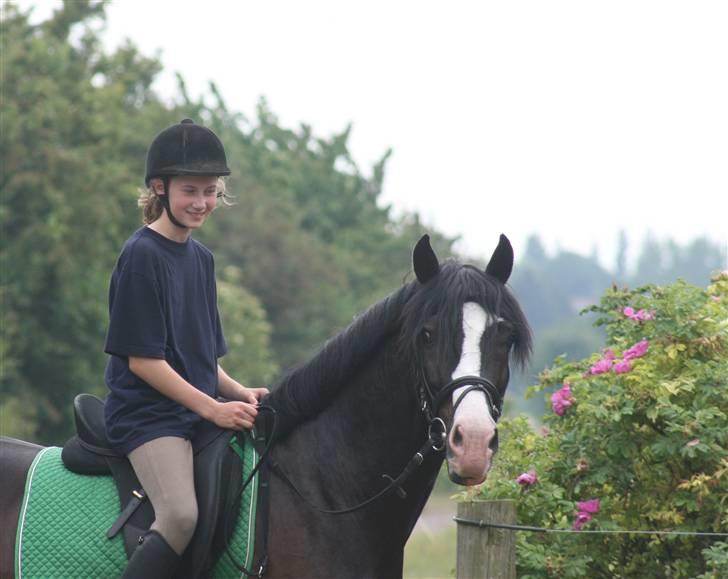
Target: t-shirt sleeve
{"type": "Point", "coordinates": [136, 324]}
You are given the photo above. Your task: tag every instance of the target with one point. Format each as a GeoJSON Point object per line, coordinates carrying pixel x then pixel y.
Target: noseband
{"type": "Point", "coordinates": [430, 403]}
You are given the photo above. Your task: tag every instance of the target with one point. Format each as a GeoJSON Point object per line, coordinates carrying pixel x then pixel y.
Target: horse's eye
{"type": "Point", "coordinates": [427, 336]}
{"type": "Point", "coordinates": [508, 332]}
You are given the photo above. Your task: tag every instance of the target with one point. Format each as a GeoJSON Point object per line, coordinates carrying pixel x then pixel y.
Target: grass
{"type": "Point", "coordinates": [431, 550]}
{"type": "Point", "coordinates": [430, 556]}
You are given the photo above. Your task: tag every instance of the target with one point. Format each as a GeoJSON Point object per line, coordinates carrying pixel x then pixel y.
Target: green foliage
{"type": "Point", "coordinates": [18, 416]}
{"type": "Point", "coordinates": [716, 559]}
{"type": "Point", "coordinates": [651, 444]}
{"type": "Point", "coordinates": [247, 331]}
{"type": "Point", "coordinates": [62, 193]}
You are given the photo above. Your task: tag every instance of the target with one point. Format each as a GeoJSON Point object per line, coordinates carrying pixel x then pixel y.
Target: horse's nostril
{"type": "Point", "coordinates": [457, 437]}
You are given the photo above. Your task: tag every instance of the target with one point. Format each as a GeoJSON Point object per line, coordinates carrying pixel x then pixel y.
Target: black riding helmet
{"type": "Point", "coordinates": [184, 149]}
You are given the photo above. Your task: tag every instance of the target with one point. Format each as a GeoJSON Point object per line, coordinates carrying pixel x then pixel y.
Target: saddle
{"type": "Point", "coordinates": [218, 483]}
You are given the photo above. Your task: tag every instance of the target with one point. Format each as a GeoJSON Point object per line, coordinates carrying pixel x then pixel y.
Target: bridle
{"type": "Point", "coordinates": [430, 402]}
{"type": "Point", "coordinates": [436, 435]}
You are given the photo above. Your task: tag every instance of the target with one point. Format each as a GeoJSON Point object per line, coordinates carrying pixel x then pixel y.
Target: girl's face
{"type": "Point", "coordinates": [192, 199]}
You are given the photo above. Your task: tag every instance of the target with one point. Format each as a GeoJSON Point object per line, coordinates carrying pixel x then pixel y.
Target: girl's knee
{"type": "Point", "coordinates": [180, 522]}
{"type": "Point", "coordinates": [185, 519]}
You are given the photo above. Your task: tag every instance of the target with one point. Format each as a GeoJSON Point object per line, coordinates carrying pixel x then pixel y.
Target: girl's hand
{"type": "Point", "coordinates": [234, 415]}
{"type": "Point", "coordinates": [254, 395]}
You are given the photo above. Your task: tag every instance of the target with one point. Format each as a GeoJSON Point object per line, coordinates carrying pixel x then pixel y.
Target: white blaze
{"type": "Point", "coordinates": [475, 321]}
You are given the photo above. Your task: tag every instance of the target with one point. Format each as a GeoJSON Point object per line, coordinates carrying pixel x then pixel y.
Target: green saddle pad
{"type": "Point", "coordinates": [64, 518]}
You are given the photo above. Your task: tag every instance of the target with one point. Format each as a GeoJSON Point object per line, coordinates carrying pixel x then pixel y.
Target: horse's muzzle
{"type": "Point", "coordinates": [469, 452]}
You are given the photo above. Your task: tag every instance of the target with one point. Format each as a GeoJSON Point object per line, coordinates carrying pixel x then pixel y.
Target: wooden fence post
{"type": "Point", "coordinates": [485, 553]}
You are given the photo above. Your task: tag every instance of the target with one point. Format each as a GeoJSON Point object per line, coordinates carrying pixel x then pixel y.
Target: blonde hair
{"type": "Point", "coordinates": [152, 207]}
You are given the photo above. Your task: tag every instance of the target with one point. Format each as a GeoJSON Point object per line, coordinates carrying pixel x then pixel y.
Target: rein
{"type": "Point", "coordinates": [435, 442]}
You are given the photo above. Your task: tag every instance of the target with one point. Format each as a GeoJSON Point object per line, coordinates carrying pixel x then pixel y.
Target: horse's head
{"type": "Point", "coordinates": [460, 330]}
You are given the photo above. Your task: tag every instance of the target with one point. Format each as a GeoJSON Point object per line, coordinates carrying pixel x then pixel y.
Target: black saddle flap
{"type": "Point", "coordinates": [217, 484]}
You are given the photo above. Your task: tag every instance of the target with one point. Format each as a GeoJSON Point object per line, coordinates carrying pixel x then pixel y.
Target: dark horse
{"type": "Point", "coordinates": [430, 359]}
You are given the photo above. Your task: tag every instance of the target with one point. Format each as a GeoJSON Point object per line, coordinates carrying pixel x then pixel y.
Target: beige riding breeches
{"type": "Point", "coordinates": [164, 469]}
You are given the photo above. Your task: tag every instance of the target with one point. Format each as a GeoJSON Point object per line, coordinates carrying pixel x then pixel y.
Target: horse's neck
{"type": "Point", "coordinates": [376, 417]}
{"type": "Point", "coordinates": [373, 428]}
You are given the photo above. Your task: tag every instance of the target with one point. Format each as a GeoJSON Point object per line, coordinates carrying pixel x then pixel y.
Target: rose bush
{"type": "Point", "coordinates": [635, 438]}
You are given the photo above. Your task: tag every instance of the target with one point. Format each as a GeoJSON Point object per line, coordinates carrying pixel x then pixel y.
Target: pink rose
{"type": "Point", "coordinates": [561, 400]}
{"type": "Point", "coordinates": [622, 367]}
{"type": "Point", "coordinates": [591, 506]}
{"type": "Point", "coordinates": [586, 510]}
{"type": "Point", "coordinates": [527, 478]}
{"type": "Point", "coordinates": [601, 367]}
{"type": "Point", "coordinates": [637, 351]}
{"type": "Point", "coordinates": [644, 315]}
{"type": "Point", "coordinates": [581, 520]}
{"type": "Point", "coordinates": [640, 316]}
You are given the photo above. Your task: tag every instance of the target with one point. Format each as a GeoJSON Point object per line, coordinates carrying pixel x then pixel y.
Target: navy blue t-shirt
{"type": "Point", "coordinates": [162, 304]}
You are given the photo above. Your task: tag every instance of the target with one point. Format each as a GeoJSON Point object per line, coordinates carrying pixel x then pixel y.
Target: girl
{"type": "Point", "coordinates": [164, 340]}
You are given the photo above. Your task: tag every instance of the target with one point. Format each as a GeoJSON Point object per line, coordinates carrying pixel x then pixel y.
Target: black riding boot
{"type": "Point", "coordinates": [152, 559]}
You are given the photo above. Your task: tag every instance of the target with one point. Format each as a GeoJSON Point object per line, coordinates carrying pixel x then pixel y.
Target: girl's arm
{"type": "Point", "coordinates": [162, 377]}
{"type": "Point", "coordinates": [233, 390]}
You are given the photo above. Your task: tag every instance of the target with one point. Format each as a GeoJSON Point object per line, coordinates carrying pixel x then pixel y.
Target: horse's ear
{"type": "Point", "coordinates": [424, 260]}
{"type": "Point", "coordinates": [500, 265]}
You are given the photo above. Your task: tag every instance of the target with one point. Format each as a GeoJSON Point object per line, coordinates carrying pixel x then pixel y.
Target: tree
{"type": "Point", "coordinates": [635, 440]}
{"type": "Point", "coordinates": [247, 331]}
{"type": "Point", "coordinates": [662, 262]}
{"type": "Point", "coordinates": [62, 191]}
{"type": "Point", "coordinates": [535, 251]}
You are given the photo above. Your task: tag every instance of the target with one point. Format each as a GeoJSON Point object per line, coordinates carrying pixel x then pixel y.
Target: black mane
{"type": "Point", "coordinates": [306, 390]}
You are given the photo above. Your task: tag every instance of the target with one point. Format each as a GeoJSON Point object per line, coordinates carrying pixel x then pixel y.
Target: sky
{"type": "Point", "coordinates": [572, 120]}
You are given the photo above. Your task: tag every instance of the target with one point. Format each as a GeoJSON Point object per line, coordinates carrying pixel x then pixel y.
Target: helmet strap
{"type": "Point", "coordinates": [165, 204]}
